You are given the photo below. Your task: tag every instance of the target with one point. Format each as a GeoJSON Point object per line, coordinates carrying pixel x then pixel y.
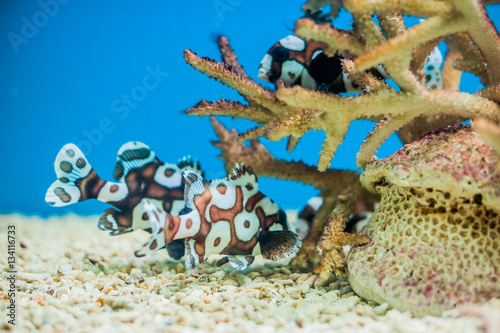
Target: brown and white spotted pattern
{"type": "Point", "coordinates": [140, 174]}
{"type": "Point", "coordinates": [296, 61]}
{"type": "Point", "coordinates": [230, 217]}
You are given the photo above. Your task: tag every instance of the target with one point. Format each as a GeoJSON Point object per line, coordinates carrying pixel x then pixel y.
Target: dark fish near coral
{"type": "Point", "coordinates": [140, 174]}
{"type": "Point", "coordinates": [296, 61]}
{"type": "Point", "coordinates": [229, 217]}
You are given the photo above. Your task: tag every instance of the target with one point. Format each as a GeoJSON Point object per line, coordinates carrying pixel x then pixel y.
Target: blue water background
{"type": "Point", "coordinates": [65, 72]}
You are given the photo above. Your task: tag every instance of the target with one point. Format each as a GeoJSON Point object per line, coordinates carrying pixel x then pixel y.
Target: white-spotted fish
{"type": "Point", "coordinates": [297, 61]}
{"type": "Point", "coordinates": [139, 174]}
{"type": "Point", "coordinates": [228, 217]}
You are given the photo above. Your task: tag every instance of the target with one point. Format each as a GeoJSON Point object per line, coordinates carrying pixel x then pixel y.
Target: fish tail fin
{"type": "Point", "coordinates": [276, 245]}
{"type": "Point", "coordinates": [157, 218]}
{"type": "Point", "coordinates": [76, 179]}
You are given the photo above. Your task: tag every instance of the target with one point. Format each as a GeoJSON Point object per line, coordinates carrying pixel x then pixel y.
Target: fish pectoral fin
{"type": "Point", "coordinates": [222, 261]}
{"type": "Point", "coordinates": [115, 221]}
{"type": "Point", "coordinates": [132, 155]}
{"type": "Point", "coordinates": [176, 249]}
{"type": "Point", "coordinates": [157, 239]}
{"type": "Point", "coordinates": [276, 245]}
{"type": "Point", "coordinates": [240, 262]}
{"type": "Point", "coordinates": [189, 253]}
{"type": "Point", "coordinates": [195, 185]}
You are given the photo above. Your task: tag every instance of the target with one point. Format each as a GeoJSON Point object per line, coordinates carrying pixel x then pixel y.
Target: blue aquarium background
{"type": "Point", "coordinates": [102, 73]}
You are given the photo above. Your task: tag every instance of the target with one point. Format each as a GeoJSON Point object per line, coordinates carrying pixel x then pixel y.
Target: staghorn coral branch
{"type": "Point", "coordinates": [257, 132]}
{"type": "Point", "coordinates": [367, 31]}
{"type": "Point", "coordinates": [340, 111]}
{"type": "Point", "coordinates": [336, 39]}
{"type": "Point", "coordinates": [471, 60]}
{"type": "Point", "coordinates": [295, 125]}
{"type": "Point", "coordinates": [328, 151]}
{"type": "Point", "coordinates": [451, 76]}
{"type": "Point", "coordinates": [424, 8]}
{"type": "Point", "coordinates": [229, 58]}
{"type": "Point", "coordinates": [332, 254]}
{"type": "Point", "coordinates": [491, 92]}
{"type": "Point", "coordinates": [308, 256]}
{"type": "Point", "coordinates": [363, 79]}
{"type": "Point", "coordinates": [380, 133]}
{"type": "Point", "coordinates": [404, 43]}
{"type": "Point", "coordinates": [344, 110]}
{"type": "Point", "coordinates": [314, 5]}
{"type": "Point", "coordinates": [264, 164]}
{"type": "Point", "coordinates": [490, 132]}
{"type": "Point", "coordinates": [292, 143]}
{"type": "Point", "coordinates": [231, 108]}
{"type": "Point", "coordinates": [421, 53]}
{"type": "Point", "coordinates": [391, 23]}
{"type": "Point", "coordinates": [253, 92]}
{"type": "Point", "coordinates": [468, 15]}
{"type": "Point", "coordinates": [426, 123]}
{"type": "Point", "coordinates": [483, 33]}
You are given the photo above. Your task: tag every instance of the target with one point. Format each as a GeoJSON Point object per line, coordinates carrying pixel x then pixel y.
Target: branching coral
{"type": "Point", "coordinates": [294, 111]}
{"type": "Point", "coordinates": [335, 237]}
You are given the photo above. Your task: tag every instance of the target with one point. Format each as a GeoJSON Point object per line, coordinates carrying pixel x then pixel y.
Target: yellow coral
{"type": "Point", "coordinates": [402, 52]}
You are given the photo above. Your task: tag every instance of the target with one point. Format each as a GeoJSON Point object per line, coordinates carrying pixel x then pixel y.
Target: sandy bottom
{"type": "Point", "coordinates": [74, 278]}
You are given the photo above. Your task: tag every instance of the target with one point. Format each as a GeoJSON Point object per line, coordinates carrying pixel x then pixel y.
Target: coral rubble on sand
{"type": "Point", "coordinates": [85, 283]}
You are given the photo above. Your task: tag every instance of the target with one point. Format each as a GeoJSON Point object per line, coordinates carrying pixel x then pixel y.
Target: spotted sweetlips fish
{"type": "Point", "coordinates": [228, 216]}
{"type": "Point", "coordinates": [139, 174]}
{"type": "Point", "coordinates": [297, 61]}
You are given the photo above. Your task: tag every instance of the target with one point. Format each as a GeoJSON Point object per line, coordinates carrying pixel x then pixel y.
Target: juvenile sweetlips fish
{"type": "Point", "coordinates": [297, 61]}
{"type": "Point", "coordinates": [140, 174]}
{"type": "Point", "coordinates": [227, 216]}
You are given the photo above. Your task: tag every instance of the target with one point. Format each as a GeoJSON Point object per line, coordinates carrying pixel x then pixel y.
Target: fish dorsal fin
{"type": "Point", "coordinates": [195, 185]}
{"type": "Point", "coordinates": [188, 163]}
{"type": "Point", "coordinates": [276, 245]}
{"type": "Point", "coordinates": [242, 175]}
{"type": "Point", "coordinates": [132, 155]}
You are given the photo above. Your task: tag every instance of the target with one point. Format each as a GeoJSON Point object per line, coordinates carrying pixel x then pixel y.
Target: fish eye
{"type": "Point", "coordinates": [280, 54]}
